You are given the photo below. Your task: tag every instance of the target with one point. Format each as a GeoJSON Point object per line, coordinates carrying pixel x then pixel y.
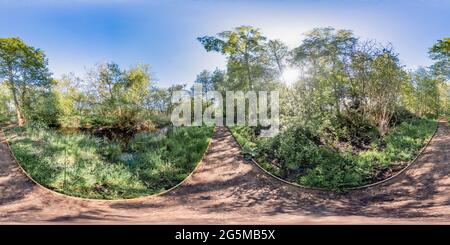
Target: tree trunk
{"type": "Point", "coordinates": [20, 119]}
{"type": "Point", "coordinates": [383, 127]}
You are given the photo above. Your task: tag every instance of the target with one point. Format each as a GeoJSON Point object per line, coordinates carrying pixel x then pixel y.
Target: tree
{"type": "Point", "coordinates": [384, 87]}
{"type": "Point", "coordinates": [243, 46]}
{"type": "Point", "coordinates": [106, 78]}
{"type": "Point", "coordinates": [155, 100]}
{"type": "Point", "coordinates": [168, 99]}
{"type": "Point", "coordinates": [440, 53]}
{"type": "Point", "coordinates": [135, 87]}
{"type": "Point", "coordinates": [422, 94]}
{"type": "Point", "coordinates": [204, 79]}
{"type": "Point", "coordinates": [159, 99]}
{"type": "Point", "coordinates": [326, 54]}
{"type": "Point", "coordinates": [73, 94]}
{"type": "Point", "coordinates": [278, 52]}
{"type": "Point", "coordinates": [5, 98]}
{"type": "Point", "coordinates": [22, 67]}
{"type": "Point", "coordinates": [347, 82]}
{"type": "Point", "coordinates": [119, 96]}
{"type": "Point", "coordinates": [211, 81]}
{"type": "Point", "coordinates": [427, 93]}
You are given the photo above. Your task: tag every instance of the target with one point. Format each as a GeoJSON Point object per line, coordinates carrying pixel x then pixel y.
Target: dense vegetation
{"type": "Point", "coordinates": [352, 115]}
{"type": "Point", "coordinates": [106, 135]}
{"type": "Point", "coordinates": [87, 166]}
{"type": "Point", "coordinates": [298, 155]}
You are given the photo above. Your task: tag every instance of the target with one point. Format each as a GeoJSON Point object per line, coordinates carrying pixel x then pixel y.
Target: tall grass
{"type": "Point", "coordinates": [86, 166]}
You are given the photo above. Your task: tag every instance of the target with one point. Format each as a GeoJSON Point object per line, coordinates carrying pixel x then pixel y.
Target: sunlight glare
{"type": "Point", "coordinates": [290, 75]}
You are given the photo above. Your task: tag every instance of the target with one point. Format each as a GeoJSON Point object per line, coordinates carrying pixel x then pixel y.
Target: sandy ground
{"type": "Point", "coordinates": [226, 189]}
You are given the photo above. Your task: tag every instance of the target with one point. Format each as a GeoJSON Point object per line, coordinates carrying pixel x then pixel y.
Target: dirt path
{"type": "Point", "coordinates": [228, 189]}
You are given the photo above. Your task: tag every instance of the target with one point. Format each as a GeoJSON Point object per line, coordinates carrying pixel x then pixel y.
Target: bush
{"type": "Point", "coordinates": [67, 121]}
{"type": "Point", "coordinates": [332, 171]}
{"type": "Point", "coordinates": [298, 155]}
{"type": "Point", "coordinates": [43, 109]}
{"type": "Point", "coordinates": [161, 121]}
{"type": "Point", "coordinates": [293, 148]}
{"type": "Point", "coordinates": [350, 127]}
{"type": "Point", "coordinates": [401, 114]}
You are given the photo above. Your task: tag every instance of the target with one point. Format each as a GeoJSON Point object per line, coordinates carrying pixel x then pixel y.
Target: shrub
{"type": "Point", "coordinates": [43, 109]}
{"type": "Point", "coordinates": [161, 121]}
{"type": "Point", "coordinates": [298, 155]}
{"type": "Point", "coordinates": [349, 126]}
{"type": "Point", "coordinates": [401, 114]}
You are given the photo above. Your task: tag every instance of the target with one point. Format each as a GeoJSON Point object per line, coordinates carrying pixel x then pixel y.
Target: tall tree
{"type": "Point", "coordinates": [278, 52]}
{"type": "Point", "coordinates": [243, 46]}
{"type": "Point", "coordinates": [135, 86]}
{"type": "Point", "coordinates": [5, 98]}
{"type": "Point", "coordinates": [22, 67]}
{"type": "Point", "coordinates": [384, 88]}
{"type": "Point", "coordinates": [427, 93]}
{"type": "Point", "coordinates": [326, 54]}
{"type": "Point", "coordinates": [211, 80]}
{"type": "Point", "coordinates": [109, 78]}
{"type": "Point", "coordinates": [204, 79]}
{"type": "Point", "coordinates": [440, 53]}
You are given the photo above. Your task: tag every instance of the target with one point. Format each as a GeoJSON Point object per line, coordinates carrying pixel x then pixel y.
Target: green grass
{"type": "Point", "coordinates": [299, 158]}
{"type": "Point", "coordinates": [4, 118]}
{"type": "Point", "coordinates": [85, 166]}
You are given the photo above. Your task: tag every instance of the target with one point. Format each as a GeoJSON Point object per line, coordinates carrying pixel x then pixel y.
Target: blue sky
{"type": "Point", "coordinates": [77, 34]}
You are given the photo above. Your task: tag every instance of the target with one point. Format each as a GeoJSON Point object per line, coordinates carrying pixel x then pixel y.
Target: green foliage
{"type": "Point", "coordinates": [349, 127]}
{"type": "Point", "coordinates": [45, 109]}
{"type": "Point", "coordinates": [294, 149]}
{"type": "Point", "coordinates": [352, 116]}
{"type": "Point", "coordinates": [81, 165]}
{"type": "Point", "coordinates": [246, 137]}
{"type": "Point", "coordinates": [300, 156]}
{"type": "Point", "coordinates": [440, 52]}
{"type": "Point", "coordinates": [424, 95]}
{"type": "Point", "coordinates": [355, 115]}
{"type": "Point", "coordinates": [252, 62]}
{"type": "Point", "coordinates": [164, 160]}
{"type": "Point", "coordinates": [4, 118]}
{"type": "Point", "coordinates": [24, 68]}
{"type": "Point", "coordinates": [119, 95]}
{"type": "Point", "coordinates": [343, 74]}
{"type": "Point", "coordinates": [5, 98]}
{"type": "Point", "coordinates": [244, 134]}
{"type": "Point", "coordinates": [401, 114]}
{"type": "Point", "coordinates": [211, 81]}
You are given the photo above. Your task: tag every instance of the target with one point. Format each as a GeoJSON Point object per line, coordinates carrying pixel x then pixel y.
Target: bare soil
{"type": "Point", "coordinates": [226, 189]}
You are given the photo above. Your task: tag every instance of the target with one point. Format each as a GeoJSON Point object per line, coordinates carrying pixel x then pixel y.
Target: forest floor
{"type": "Point", "coordinates": [226, 189]}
